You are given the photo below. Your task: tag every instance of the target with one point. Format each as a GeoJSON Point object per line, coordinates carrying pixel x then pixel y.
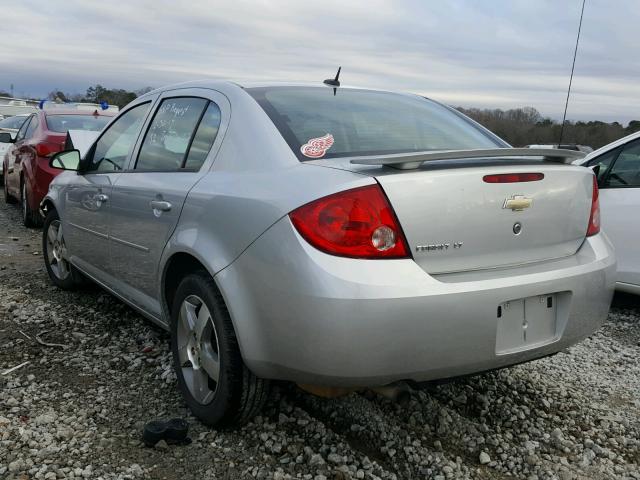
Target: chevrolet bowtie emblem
{"type": "Point", "coordinates": [517, 203]}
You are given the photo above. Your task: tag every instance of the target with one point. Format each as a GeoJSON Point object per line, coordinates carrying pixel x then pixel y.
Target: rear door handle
{"type": "Point", "coordinates": [160, 205]}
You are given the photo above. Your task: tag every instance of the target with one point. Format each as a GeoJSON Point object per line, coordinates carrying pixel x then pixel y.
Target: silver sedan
{"type": "Point", "coordinates": [329, 236]}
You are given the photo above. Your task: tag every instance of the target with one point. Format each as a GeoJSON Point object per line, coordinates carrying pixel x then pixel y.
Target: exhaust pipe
{"type": "Point", "coordinates": [398, 392]}
{"type": "Point", "coordinates": [326, 392]}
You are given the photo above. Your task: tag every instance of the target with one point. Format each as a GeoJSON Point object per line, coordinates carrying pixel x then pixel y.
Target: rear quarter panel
{"type": "Point", "coordinates": [227, 211]}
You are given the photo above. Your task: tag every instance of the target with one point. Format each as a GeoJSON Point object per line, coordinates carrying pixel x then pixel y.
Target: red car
{"type": "Point", "coordinates": [26, 164]}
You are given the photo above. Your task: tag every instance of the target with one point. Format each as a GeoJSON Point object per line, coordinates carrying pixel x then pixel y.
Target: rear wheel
{"type": "Point", "coordinates": [30, 218]}
{"type": "Point", "coordinates": [61, 272]}
{"type": "Point", "coordinates": [216, 385]}
{"type": "Point", "coordinates": [8, 198]}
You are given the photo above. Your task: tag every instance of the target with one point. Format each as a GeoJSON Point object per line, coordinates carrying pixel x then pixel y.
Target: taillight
{"type": "Point", "coordinates": [513, 177]}
{"type": "Point", "coordinates": [45, 149]}
{"type": "Point", "coordinates": [357, 223]}
{"type": "Point", "coordinates": [594, 218]}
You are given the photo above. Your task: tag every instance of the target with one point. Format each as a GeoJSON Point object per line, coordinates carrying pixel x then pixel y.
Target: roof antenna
{"type": "Point", "coordinates": [334, 82]}
{"type": "Point", "coordinates": [575, 52]}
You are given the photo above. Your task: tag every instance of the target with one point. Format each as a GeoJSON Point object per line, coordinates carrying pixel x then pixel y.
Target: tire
{"type": "Point", "coordinates": [237, 395]}
{"type": "Point", "coordinates": [8, 198]}
{"type": "Point", "coordinates": [62, 274]}
{"type": "Point", "coordinates": [30, 218]}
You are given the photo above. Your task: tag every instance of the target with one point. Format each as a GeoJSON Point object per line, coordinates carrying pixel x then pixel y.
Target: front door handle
{"type": "Point", "coordinates": [160, 205]}
{"type": "Point", "coordinates": [101, 197]}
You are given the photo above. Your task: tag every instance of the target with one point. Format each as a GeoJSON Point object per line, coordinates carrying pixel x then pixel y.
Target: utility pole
{"type": "Point", "coordinates": [12, 90]}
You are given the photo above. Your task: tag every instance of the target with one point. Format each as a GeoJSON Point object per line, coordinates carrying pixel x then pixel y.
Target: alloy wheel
{"type": "Point", "coordinates": [57, 251]}
{"type": "Point", "coordinates": [198, 351]}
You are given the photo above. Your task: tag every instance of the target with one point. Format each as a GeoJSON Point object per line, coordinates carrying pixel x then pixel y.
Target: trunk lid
{"type": "Point", "coordinates": [454, 221]}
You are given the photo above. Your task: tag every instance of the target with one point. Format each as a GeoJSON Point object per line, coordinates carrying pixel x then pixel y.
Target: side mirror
{"type": "Point", "coordinates": [67, 160]}
{"type": "Point", "coordinates": [5, 137]}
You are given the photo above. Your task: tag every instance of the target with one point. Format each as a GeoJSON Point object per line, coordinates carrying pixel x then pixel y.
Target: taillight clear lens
{"type": "Point", "coordinates": [357, 223]}
{"type": "Point", "coordinates": [594, 218]}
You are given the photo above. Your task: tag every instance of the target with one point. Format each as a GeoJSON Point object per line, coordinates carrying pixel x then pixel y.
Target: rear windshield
{"type": "Point", "coordinates": [318, 124]}
{"type": "Point", "coordinates": [63, 123]}
{"type": "Point", "coordinates": [13, 122]}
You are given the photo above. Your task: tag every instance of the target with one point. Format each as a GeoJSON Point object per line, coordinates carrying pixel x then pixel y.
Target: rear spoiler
{"type": "Point", "coordinates": [408, 161]}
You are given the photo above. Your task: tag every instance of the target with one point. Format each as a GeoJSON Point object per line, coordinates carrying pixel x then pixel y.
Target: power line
{"type": "Point", "coordinates": [573, 66]}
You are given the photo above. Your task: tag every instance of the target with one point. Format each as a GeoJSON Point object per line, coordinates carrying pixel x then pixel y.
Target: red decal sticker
{"type": "Point", "coordinates": [317, 147]}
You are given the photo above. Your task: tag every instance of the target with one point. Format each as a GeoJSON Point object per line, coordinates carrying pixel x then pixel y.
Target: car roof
{"type": "Point", "coordinates": [226, 85]}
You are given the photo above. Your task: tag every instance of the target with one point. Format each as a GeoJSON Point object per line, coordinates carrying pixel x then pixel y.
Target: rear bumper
{"type": "Point", "coordinates": [305, 316]}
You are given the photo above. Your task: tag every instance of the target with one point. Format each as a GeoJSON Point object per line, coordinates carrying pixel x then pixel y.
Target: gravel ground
{"type": "Point", "coordinates": [76, 411]}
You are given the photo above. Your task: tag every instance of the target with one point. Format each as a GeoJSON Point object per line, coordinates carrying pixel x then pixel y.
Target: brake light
{"type": "Point", "coordinates": [594, 218]}
{"type": "Point", "coordinates": [357, 223]}
{"type": "Point", "coordinates": [45, 149]}
{"type": "Point", "coordinates": [513, 177]}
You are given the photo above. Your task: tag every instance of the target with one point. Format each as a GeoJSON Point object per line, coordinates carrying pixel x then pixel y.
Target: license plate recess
{"type": "Point", "coordinates": [526, 323]}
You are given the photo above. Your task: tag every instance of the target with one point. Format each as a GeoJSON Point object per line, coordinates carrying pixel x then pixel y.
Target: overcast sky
{"type": "Point", "coordinates": [473, 53]}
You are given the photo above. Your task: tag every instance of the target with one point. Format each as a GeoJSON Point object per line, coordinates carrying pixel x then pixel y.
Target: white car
{"type": "Point", "coordinates": [10, 125]}
{"type": "Point", "coordinates": [618, 169]}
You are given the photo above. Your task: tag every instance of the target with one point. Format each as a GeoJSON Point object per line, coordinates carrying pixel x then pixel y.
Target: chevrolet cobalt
{"type": "Point", "coordinates": [328, 236]}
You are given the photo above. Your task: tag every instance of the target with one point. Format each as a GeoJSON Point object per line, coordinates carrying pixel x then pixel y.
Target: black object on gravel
{"type": "Point", "coordinates": [172, 431]}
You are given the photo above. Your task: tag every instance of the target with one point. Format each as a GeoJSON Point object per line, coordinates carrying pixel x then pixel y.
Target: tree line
{"type": "Point", "coordinates": [526, 126]}
{"type": "Point", "coordinates": [97, 94]}
{"type": "Point", "coordinates": [94, 94]}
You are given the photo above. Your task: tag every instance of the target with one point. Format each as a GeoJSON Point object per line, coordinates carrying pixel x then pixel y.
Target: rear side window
{"type": "Point", "coordinates": [316, 123]}
{"type": "Point", "coordinates": [604, 162]}
{"type": "Point", "coordinates": [180, 135]}
{"type": "Point", "coordinates": [204, 137]}
{"type": "Point", "coordinates": [64, 123]}
{"type": "Point", "coordinates": [626, 169]}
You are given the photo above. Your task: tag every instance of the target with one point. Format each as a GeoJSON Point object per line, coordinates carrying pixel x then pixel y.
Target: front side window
{"type": "Point", "coordinates": [626, 169]}
{"type": "Point", "coordinates": [23, 129]}
{"type": "Point", "coordinates": [13, 123]}
{"type": "Point", "coordinates": [316, 123]}
{"type": "Point", "coordinates": [170, 134]}
{"type": "Point", "coordinates": [111, 151]}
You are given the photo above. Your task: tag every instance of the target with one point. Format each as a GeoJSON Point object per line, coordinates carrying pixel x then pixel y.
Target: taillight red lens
{"type": "Point", "coordinates": [513, 177]}
{"type": "Point", "coordinates": [45, 149]}
{"type": "Point", "coordinates": [357, 223]}
{"type": "Point", "coordinates": [594, 218]}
